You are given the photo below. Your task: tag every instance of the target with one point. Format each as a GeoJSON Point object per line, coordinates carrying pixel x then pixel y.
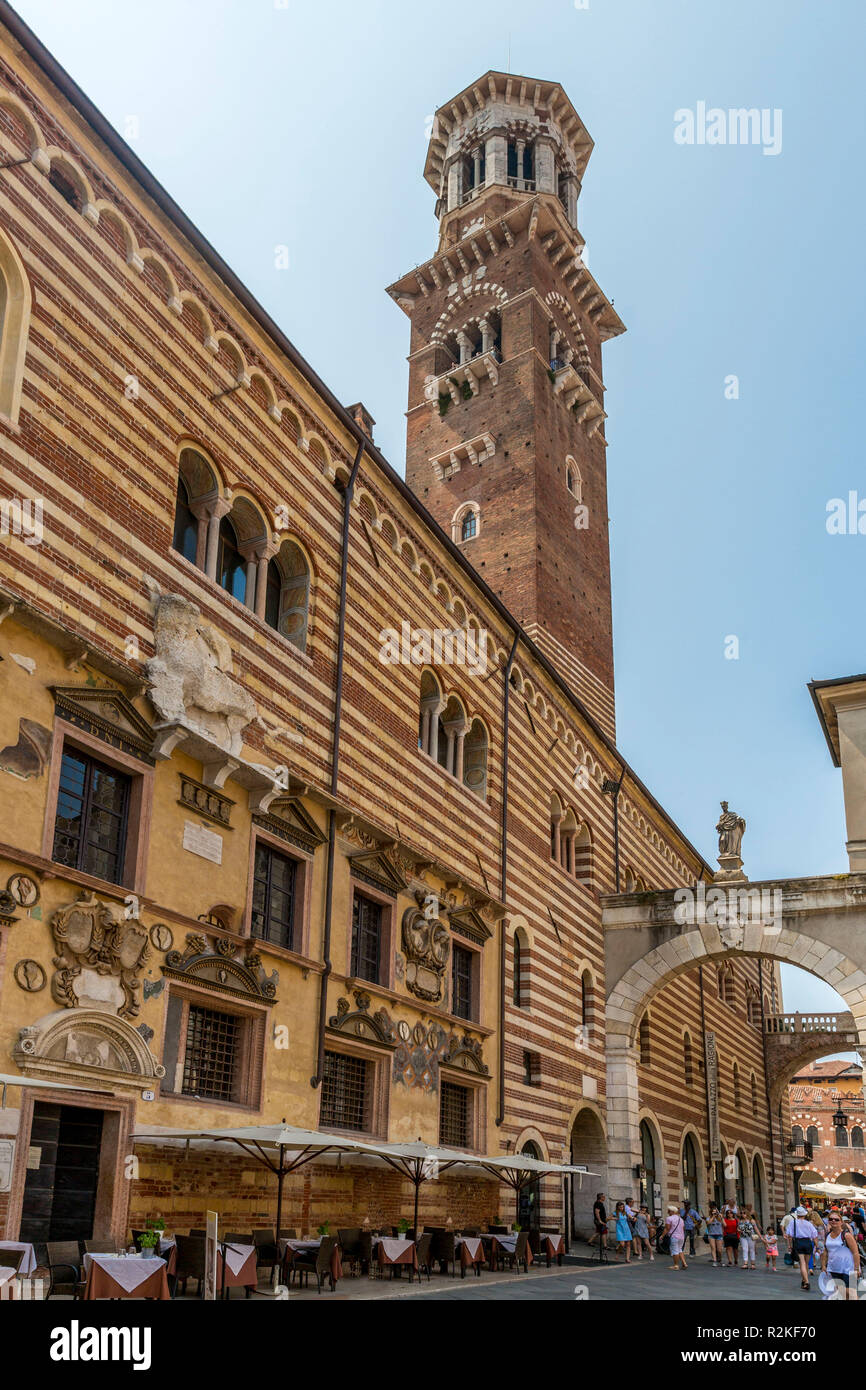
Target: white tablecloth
{"type": "Point", "coordinates": [128, 1271]}
{"type": "Point", "coordinates": [237, 1256]}
{"type": "Point", "coordinates": [473, 1245]}
{"type": "Point", "coordinates": [394, 1247]}
{"type": "Point", "coordinates": [508, 1243]}
{"type": "Point", "coordinates": [28, 1264]}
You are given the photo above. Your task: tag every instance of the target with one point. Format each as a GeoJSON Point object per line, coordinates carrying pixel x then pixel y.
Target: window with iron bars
{"type": "Point", "coordinates": [455, 1116]}
{"type": "Point", "coordinates": [366, 938]}
{"type": "Point", "coordinates": [211, 1054]}
{"type": "Point", "coordinates": [461, 981]}
{"type": "Point", "coordinates": [346, 1097]}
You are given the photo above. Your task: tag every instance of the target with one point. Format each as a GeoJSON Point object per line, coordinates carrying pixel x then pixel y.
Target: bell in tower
{"type": "Point", "coordinates": [505, 434]}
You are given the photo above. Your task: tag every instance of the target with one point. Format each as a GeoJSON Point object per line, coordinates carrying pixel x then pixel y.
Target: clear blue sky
{"type": "Point", "coordinates": [305, 125]}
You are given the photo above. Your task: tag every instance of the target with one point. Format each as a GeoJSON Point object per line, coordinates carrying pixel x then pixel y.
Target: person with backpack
{"type": "Point", "coordinates": [803, 1237]}
{"type": "Point", "coordinates": [691, 1221]}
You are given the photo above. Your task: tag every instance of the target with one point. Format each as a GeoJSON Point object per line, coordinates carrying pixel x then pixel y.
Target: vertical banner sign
{"type": "Point", "coordinates": [210, 1255]}
{"type": "Point", "coordinates": [712, 1061]}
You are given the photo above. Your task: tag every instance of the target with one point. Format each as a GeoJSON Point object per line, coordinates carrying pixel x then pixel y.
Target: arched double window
{"type": "Point", "coordinates": [813, 1137]}
{"type": "Point", "coordinates": [446, 735]}
{"type": "Point", "coordinates": [796, 1135]}
{"type": "Point", "coordinates": [841, 1134]}
{"type": "Point", "coordinates": [857, 1137]}
{"type": "Point", "coordinates": [570, 841]}
{"type": "Point", "coordinates": [14, 324]}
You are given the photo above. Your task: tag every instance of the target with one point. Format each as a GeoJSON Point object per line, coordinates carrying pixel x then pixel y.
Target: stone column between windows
{"type": "Point", "coordinates": [465, 347]}
{"type": "Point", "coordinates": [456, 731]}
{"type": "Point", "coordinates": [265, 552]}
{"type": "Point", "coordinates": [557, 843]}
{"type": "Point", "coordinates": [496, 159]}
{"type": "Point", "coordinates": [430, 708]}
{"type": "Point", "coordinates": [521, 146]}
{"type": "Point", "coordinates": [216, 510]}
{"type": "Point", "coordinates": [623, 1123]}
{"type": "Point", "coordinates": [568, 849]}
{"type": "Point", "coordinates": [486, 335]}
{"type": "Point", "coordinates": [476, 166]}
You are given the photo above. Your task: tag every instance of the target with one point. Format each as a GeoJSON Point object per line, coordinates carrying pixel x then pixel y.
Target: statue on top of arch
{"type": "Point", "coordinates": [730, 830]}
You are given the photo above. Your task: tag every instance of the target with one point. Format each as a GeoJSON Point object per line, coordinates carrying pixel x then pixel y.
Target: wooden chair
{"type": "Point", "coordinates": [101, 1247]}
{"type": "Point", "coordinates": [444, 1252]}
{"type": "Point", "coordinates": [267, 1251]}
{"type": "Point", "coordinates": [422, 1250]}
{"type": "Point", "coordinates": [498, 1230]}
{"type": "Point", "coordinates": [519, 1256]}
{"type": "Point", "coordinates": [316, 1262]}
{"type": "Point", "coordinates": [189, 1262]}
{"type": "Point", "coordinates": [350, 1246]}
{"type": "Point", "coordinates": [197, 1231]}
{"type": "Point", "coordinates": [64, 1256]}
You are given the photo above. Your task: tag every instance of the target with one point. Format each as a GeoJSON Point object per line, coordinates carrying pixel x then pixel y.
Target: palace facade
{"type": "Point", "coordinates": [310, 786]}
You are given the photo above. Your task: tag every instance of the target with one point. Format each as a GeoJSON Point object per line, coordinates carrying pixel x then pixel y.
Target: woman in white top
{"type": "Point", "coordinates": [841, 1255]}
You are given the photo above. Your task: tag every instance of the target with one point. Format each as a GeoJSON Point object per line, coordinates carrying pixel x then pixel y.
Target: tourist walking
{"type": "Point", "coordinates": [644, 1231]}
{"type": "Point", "coordinates": [623, 1235]}
{"type": "Point", "coordinates": [803, 1237]}
{"type": "Point", "coordinates": [599, 1221]}
{"type": "Point", "coordinates": [747, 1232]}
{"type": "Point", "coordinates": [714, 1234]}
{"type": "Point", "coordinates": [691, 1221]}
{"type": "Point", "coordinates": [730, 1234]}
{"type": "Point", "coordinates": [676, 1230]}
{"type": "Point", "coordinates": [841, 1255]}
{"type": "Point", "coordinates": [787, 1226]}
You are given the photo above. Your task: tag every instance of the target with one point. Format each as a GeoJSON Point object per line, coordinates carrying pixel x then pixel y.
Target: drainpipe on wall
{"type": "Point", "coordinates": [611, 788]}
{"type": "Point", "coordinates": [503, 875]}
{"type": "Point", "coordinates": [335, 768]}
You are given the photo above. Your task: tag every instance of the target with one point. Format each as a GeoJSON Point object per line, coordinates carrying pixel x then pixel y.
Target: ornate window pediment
{"type": "Point", "coordinates": [378, 870]}
{"type": "Point", "coordinates": [361, 1023]}
{"type": "Point", "coordinates": [289, 820]}
{"type": "Point", "coordinates": [468, 922]}
{"type": "Point", "coordinates": [106, 714]}
{"type": "Point", "coordinates": [86, 1045]}
{"type": "Point", "coordinates": [224, 966]}
{"type": "Point", "coordinates": [465, 1052]}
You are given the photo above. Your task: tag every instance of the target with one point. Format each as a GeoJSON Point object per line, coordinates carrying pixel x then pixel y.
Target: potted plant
{"type": "Point", "coordinates": [147, 1240]}
{"type": "Point", "coordinates": [324, 1229]}
{"type": "Point", "coordinates": [402, 1226]}
{"type": "Point", "coordinates": [516, 1227]}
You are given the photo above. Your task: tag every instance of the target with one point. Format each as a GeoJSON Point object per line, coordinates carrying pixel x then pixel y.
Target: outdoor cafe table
{"type": "Point", "coordinates": [505, 1243]}
{"type": "Point", "coordinates": [291, 1248]}
{"type": "Point", "coordinates": [395, 1250]}
{"type": "Point", "coordinates": [125, 1276]}
{"type": "Point", "coordinates": [471, 1251]}
{"type": "Point", "coordinates": [28, 1264]}
{"type": "Point", "coordinates": [240, 1266]}
{"type": "Point", "coordinates": [552, 1244]}
{"type": "Point", "coordinates": [168, 1249]}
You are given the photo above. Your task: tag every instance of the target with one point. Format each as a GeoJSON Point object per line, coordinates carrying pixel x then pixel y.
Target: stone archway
{"type": "Point", "coordinates": [817, 924]}
{"type": "Point", "coordinates": [588, 1146]}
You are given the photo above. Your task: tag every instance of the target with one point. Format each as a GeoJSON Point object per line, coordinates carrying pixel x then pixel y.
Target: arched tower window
{"type": "Point", "coordinates": [475, 759]}
{"type": "Point", "coordinates": [231, 566]}
{"type": "Point", "coordinates": [185, 538]}
{"type": "Point", "coordinates": [468, 526]}
{"type": "Point", "coordinates": [196, 520]}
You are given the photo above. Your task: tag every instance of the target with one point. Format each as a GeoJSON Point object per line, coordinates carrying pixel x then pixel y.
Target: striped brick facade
{"type": "Point", "coordinates": [140, 344]}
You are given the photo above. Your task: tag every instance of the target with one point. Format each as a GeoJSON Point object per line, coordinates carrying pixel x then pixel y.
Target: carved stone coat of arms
{"type": "Point", "coordinates": [100, 953]}
{"type": "Point", "coordinates": [427, 946]}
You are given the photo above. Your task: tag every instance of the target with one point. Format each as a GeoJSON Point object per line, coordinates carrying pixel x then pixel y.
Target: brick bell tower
{"type": "Point", "coordinates": [505, 435]}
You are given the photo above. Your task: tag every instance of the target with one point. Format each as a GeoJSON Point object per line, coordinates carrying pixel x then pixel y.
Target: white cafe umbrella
{"type": "Point", "coordinates": [517, 1170]}
{"type": "Point", "coordinates": [282, 1148]}
{"type": "Point", "coordinates": [420, 1162]}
